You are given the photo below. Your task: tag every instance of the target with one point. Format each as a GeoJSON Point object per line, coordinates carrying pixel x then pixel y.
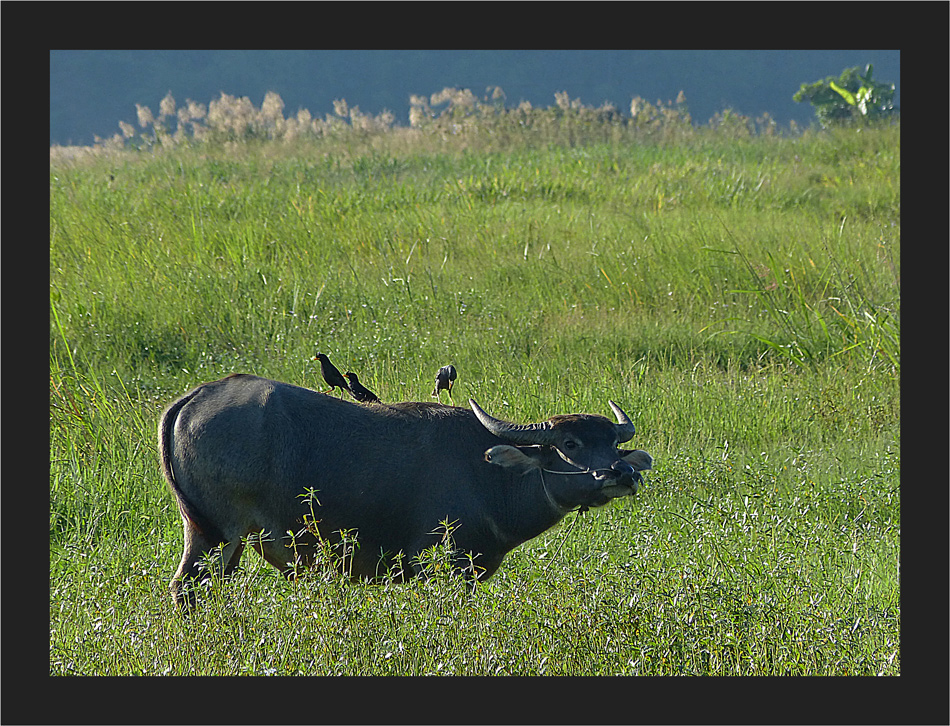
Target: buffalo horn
{"type": "Point", "coordinates": [538, 434]}
{"type": "Point", "coordinates": [624, 425]}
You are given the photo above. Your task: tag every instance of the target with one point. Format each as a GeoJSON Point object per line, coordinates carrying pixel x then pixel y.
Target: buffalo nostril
{"type": "Point", "coordinates": [622, 467]}
{"type": "Point", "coordinates": [619, 472]}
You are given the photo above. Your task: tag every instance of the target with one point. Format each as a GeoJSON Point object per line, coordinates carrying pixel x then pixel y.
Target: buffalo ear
{"type": "Point", "coordinates": [638, 459]}
{"type": "Point", "coordinates": [510, 457]}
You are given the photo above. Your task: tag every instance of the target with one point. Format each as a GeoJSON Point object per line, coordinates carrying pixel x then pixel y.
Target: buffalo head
{"type": "Point", "coordinates": [578, 452]}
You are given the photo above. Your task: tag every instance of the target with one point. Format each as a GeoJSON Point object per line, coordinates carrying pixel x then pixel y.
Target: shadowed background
{"type": "Point", "coordinates": [92, 90]}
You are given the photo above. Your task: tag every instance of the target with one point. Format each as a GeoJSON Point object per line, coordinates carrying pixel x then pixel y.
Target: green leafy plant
{"type": "Point", "coordinates": [851, 96]}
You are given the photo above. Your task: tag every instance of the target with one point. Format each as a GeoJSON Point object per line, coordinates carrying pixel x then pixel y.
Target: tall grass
{"type": "Point", "coordinates": [737, 292]}
{"type": "Point", "coordinates": [842, 319]}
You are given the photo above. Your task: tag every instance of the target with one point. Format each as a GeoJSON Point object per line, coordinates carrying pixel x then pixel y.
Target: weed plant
{"type": "Point", "coordinates": [736, 289]}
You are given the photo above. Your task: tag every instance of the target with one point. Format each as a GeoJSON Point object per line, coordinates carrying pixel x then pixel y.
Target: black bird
{"type": "Point", "coordinates": [331, 375]}
{"type": "Point", "coordinates": [360, 392]}
{"type": "Point", "coordinates": [444, 380]}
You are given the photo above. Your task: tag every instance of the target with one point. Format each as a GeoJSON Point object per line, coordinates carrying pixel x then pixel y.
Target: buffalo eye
{"type": "Point", "coordinates": [570, 445]}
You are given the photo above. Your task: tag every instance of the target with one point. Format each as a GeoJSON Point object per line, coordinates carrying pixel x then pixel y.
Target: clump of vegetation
{"type": "Point", "coordinates": [452, 119]}
{"type": "Point", "coordinates": [458, 119]}
{"type": "Point", "coordinates": [851, 97]}
{"type": "Point", "coordinates": [234, 119]}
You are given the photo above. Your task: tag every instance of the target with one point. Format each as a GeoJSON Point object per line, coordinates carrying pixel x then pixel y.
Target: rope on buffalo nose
{"type": "Point", "coordinates": [580, 508]}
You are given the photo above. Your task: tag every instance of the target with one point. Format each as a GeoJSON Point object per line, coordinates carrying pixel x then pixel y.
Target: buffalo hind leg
{"type": "Point", "coordinates": [195, 555]}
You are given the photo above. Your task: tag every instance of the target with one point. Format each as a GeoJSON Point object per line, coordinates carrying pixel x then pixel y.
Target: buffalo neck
{"type": "Point", "coordinates": [528, 508]}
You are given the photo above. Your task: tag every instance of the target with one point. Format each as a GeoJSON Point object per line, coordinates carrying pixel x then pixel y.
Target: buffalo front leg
{"type": "Point", "coordinates": [200, 558]}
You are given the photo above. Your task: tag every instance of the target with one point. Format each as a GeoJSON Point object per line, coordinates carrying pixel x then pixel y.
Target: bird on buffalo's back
{"type": "Point", "coordinates": [331, 374]}
{"type": "Point", "coordinates": [444, 380]}
{"type": "Point", "coordinates": [360, 392]}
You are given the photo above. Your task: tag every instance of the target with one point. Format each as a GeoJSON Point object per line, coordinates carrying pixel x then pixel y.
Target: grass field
{"type": "Point", "coordinates": [737, 294]}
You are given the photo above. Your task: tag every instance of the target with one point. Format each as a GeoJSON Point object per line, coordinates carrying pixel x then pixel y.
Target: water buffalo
{"type": "Point", "coordinates": [238, 453]}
